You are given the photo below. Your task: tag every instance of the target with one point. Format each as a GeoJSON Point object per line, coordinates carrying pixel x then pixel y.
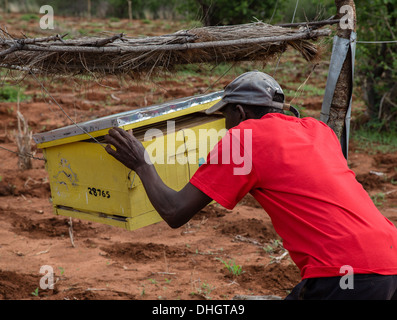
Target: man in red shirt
{"type": "Point", "coordinates": [344, 247]}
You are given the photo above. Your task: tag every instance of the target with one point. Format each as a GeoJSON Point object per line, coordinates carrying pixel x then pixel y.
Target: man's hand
{"type": "Point", "coordinates": [129, 150]}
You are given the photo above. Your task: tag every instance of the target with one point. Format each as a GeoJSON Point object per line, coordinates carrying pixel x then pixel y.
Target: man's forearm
{"type": "Point", "coordinates": [175, 207]}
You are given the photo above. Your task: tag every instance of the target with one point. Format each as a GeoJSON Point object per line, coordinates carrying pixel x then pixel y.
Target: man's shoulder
{"type": "Point", "coordinates": [267, 120]}
{"type": "Point", "coordinates": [277, 127]}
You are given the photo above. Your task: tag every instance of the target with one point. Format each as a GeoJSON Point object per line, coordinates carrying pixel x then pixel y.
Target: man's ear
{"type": "Point", "coordinates": [243, 115]}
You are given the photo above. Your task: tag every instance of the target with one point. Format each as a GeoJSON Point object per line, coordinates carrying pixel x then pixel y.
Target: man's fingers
{"type": "Point", "coordinates": [122, 132]}
{"type": "Point", "coordinates": [113, 141]}
{"type": "Point", "coordinates": [129, 150]}
{"type": "Point", "coordinates": [110, 150]}
{"type": "Point", "coordinates": [122, 136]}
{"type": "Point", "coordinates": [119, 135]}
{"type": "Point", "coordinates": [129, 135]}
{"type": "Point", "coordinates": [116, 133]}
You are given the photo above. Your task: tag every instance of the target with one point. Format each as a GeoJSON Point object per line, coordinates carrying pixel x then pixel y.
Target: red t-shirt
{"type": "Point", "coordinates": [296, 170]}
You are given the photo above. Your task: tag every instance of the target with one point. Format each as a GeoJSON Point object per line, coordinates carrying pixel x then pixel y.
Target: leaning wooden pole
{"type": "Point", "coordinates": [337, 100]}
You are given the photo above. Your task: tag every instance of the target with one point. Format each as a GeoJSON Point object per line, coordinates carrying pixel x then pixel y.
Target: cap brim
{"type": "Point", "coordinates": [294, 111]}
{"type": "Point", "coordinates": [287, 106]}
{"type": "Point", "coordinates": [216, 107]}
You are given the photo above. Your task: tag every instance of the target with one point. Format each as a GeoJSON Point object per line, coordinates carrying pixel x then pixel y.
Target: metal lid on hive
{"type": "Point", "coordinates": [164, 111]}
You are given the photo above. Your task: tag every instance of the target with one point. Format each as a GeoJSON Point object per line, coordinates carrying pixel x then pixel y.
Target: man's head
{"type": "Point", "coordinates": [250, 96]}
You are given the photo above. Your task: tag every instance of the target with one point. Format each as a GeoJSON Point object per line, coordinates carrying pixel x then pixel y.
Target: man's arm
{"type": "Point", "coordinates": [175, 207]}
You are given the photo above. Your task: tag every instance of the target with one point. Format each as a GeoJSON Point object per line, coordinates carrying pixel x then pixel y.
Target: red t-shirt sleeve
{"type": "Point", "coordinates": [228, 174]}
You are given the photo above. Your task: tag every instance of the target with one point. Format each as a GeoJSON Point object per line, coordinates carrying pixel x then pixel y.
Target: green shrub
{"type": "Point", "coordinates": [376, 63]}
{"type": "Point", "coordinates": [10, 94]}
{"type": "Point", "coordinates": [29, 17]}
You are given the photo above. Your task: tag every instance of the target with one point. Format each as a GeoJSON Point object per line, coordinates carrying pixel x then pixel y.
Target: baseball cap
{"type": "Point", "coordinates": [253, 88]}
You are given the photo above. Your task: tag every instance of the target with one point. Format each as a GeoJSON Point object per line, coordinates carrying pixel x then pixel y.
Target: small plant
{"type": "Point", "coordinates": [62, 270]}
{"type": "Point", "coordinates": [83, 31]}
{"type": "Point", "coordinates": [378, 198]}
{"type": "Point", "coordinates": [204, 290]}
{"type": "Point", "coordinates": [273, 246]}
{"type": "Point", "coordinates": [35, 292]}
{"type": "Point", "coordinates": [233, 268]}
{"type": "Point", "coordinates": [10, 94]}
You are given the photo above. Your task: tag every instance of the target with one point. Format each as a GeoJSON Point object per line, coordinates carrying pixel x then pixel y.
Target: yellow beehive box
{"type": "Point", "coordinates": [87, 183]}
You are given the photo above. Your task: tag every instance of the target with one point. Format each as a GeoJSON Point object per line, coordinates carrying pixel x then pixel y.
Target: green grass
{"type": "Point", "coordinates": [374, 141]}
{"type": "Point", "coordinates": [205, 290]}
{"type": "Point", "coordinates": [35, 292]}
{"type": "Point", "coordinates": [83, 32]}
{"type": "Point", "coordinates": [305, 91]}
{"type": "Point", "coordinates": [29, 17]}
{"type": "Point", "coordinates": [203, 69]}
{"type": "Point", "coordinates": [10, 93]}
{"type": "Point", "coordinates": [310, 90]}
{"type": "Point", "coordinates": [273, 246]}
{"type": "Point", "coordinates": [233, 268]}
{"type": "Point", "coordinates": [378, 198]}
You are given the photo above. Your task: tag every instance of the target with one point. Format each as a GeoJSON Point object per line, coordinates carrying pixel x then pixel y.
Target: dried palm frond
{"type": "Point", "coordinates": [122, 55]}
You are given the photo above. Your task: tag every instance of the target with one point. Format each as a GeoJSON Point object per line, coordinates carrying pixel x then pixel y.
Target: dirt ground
{"type": "Point", "coordinates": [154, 262]}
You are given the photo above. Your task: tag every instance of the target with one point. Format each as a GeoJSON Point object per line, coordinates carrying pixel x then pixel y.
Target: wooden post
{"type": "Point", "coordinates": [343, 90]}
{"type": "Point", "coordinates": [130, 10]}
{"type": "Point", "coordinates": [89, 9]}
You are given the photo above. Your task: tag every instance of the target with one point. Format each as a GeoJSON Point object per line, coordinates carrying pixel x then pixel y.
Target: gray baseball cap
{"type": "Point", "coordinates": [253, 88]}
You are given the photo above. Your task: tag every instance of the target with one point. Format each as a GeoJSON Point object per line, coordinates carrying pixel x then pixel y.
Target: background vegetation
{"type": "Point", "coordinates": [376, 64]}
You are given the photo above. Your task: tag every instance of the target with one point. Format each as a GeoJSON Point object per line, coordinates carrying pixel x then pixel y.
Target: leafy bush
{"type": "Point", "coordinates": [376, 64]}
{"type": "Point", "coordinates": [307, 10]}
{"type": "Point", "coordinates": [10, 94]}
{"type": "Point", "coordinates": [226, 11]}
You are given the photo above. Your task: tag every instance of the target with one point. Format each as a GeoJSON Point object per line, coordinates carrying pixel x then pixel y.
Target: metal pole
{"type": "Point", "coordinates": [336, 108]}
